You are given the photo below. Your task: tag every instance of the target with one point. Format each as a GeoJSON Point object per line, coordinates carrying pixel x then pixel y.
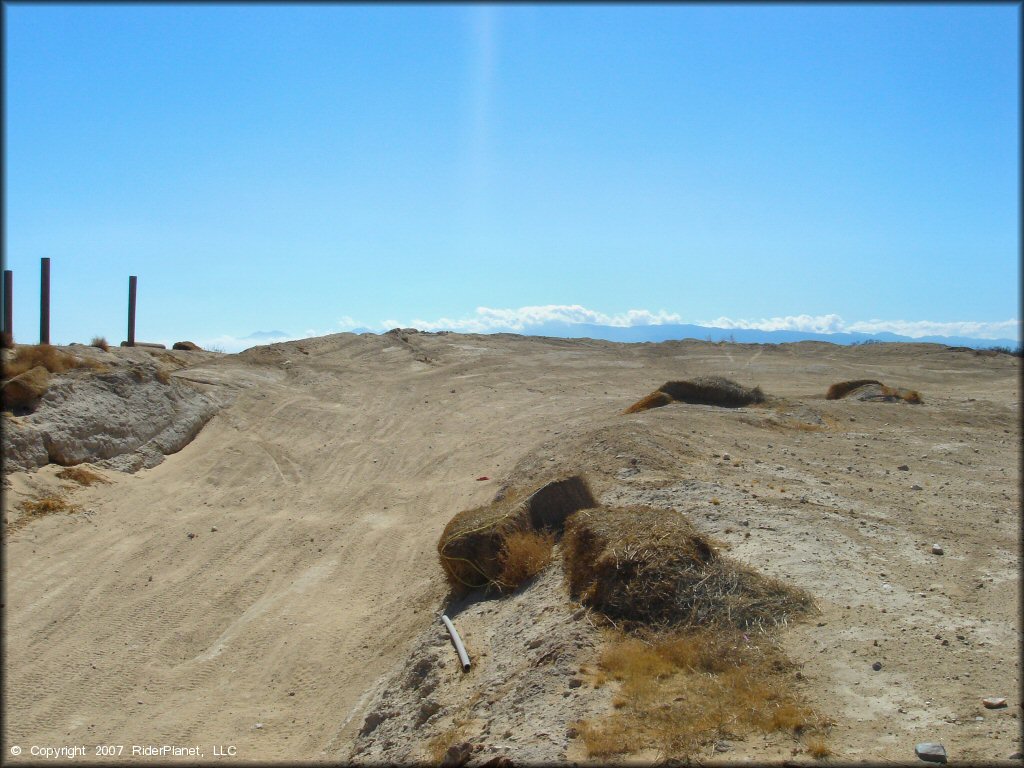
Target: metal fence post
{"type": "Point", "coordinates": [9, 303]}
{"type": "Point", "coordinates": [44, 302]}
{"type": "Point", "coordinates": [133, 283]}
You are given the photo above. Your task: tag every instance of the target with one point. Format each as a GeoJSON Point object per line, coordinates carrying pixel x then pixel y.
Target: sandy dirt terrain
{"type": "Point", "coordinates": [315, 500]}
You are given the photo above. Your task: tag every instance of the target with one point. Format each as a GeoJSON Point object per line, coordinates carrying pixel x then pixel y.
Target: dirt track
{"type": "Point", "coordinates": [332, 474]}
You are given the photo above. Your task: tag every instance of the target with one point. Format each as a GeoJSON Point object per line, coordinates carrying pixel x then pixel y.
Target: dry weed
{"type": "Point", "coordinates": [100, 343]}
{"type": "Point", "coordinates": [523, 555]}
{"type": "Point", "coordinates": [82, 476]}
{"type": "Point", "coordinates": [163, 376]}
{"type": "Point", "coordinates": [817, 747]}
{"type": "Point", "coordinates": [682, 691]}
{"type": "Point", "coordinates": [28, 356]}
{"type": "Point", "coordinates": [41, 507]}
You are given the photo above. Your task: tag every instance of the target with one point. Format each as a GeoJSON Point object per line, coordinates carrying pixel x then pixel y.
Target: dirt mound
{"type": "Point", "coordinates": [870, 389]}
{"type": "Point", "coordinates": [473, 544]}
{"type": "Point", "coordinates": [704, 390]}
{"type": "Point", "coordinates": [186, 346]}
{"type": "Point", "coordinates": [649, 566]}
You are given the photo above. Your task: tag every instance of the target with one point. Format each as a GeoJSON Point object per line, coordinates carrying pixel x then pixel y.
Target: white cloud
{"type": "Point", "coordinates": [1003, 329]}
{"type": "Point", "coordinates": [523, 319]}
{"type": "Point", "coordinates": [487, 319]}
{"type": "Point", "coordinates": [806, 323]}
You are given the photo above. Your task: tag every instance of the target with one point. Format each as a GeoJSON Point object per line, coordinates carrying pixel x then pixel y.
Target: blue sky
{"type": "Point", "coordinates": [314, 168]}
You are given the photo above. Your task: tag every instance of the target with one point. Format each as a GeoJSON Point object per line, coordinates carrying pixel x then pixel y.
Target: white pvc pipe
{"type": "Point", "coordinates": [463, 656]}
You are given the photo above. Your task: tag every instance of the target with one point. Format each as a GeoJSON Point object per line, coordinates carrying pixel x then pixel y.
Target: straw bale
{"type": "Point", "coordinates": [869, 389]}
{"type": "Point", "coordinates": [471, 547]}
{"type": "Point", "coordinates": [471, 544]}
{"type": "Point", "coordinates": [553, 503]}
{"type": "Point", "coordinates": [646, 566]}
{"type": "Point", "coordinates": [843, 388]}
{"type": "Point", "coordinates": [712, 390]}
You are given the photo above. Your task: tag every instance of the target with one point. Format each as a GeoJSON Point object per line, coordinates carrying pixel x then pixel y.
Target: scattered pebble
{"type": "Point", "coordinates": [258, 726]}
{"type": "Point", "coordinates": [213, 529]}
{"type": "Point", "coordinates": [937, 549]}
{"type": "Point", "coordinates": [903, 468]}
{"type": "Point", "coordinates": [993, 702]}
{"type": "Point", "coordinates": [876, 666]}
{"type": "Point", "coordinates": [931, 753]}
{"type": "Point", "coordinates": [191, 535]}
{"type": "Point", "coordinates": [726, 457]}
{"type": "Point", "coordinates": [916, 487]}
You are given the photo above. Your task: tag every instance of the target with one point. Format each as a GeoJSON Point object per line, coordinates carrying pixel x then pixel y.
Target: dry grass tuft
{"type": "Point", "coordinates": [705, 390]}
{"type": "Point", "coordinates": [817, 747]}
{"type": "Point", "coordinates": [100, 343]}
{"type": "Point", "coordinates": [82, 476]}
{"type": "Point", "coordinates": [28, 356]}
{"type": "Point", "coordinates": [41, 507]}
{"type": "Point", "coordinates": [163, 375]}
{"type": "Point", "coordinates": [649, 567]}
{"type": "Point", "coordinates": [524, 554]}
{"type": "Point", "coordinates": [682, 691]}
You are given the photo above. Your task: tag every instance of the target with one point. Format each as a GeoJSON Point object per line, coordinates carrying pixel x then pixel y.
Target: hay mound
{"type": "Point", "coordinates": [650, 567]}
{"type": "Point", "coordinates": [704, 390]}
{"type": "Point", "coordinates": [553, 503]}
{"type": "Point", "coordinates": [472, 544]}
{"type": "Point", "coordinates": [870, 389]}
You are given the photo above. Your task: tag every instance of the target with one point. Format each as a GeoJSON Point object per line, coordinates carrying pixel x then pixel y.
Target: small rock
{"type": "Point", "coordinates": [191, 535]}
{"type": "Point", "coordinates": [993, 702]}
{"type": "Point", "coordinates": [213, 529]}
{"type": "Point", "coordinates": [903, 468]}
{"type": "Point", "coordinates": [726, 457]}
{"type": "Point", "coordinates": [576, 683]}
{"type": "Point", "coordinates": [258, 726]}
{"type": "Point", "coordinates": [916, 487]}
{"type": "Point", "coordinates": [876, 666]}
{"type": "Point", "coordinates": [1016, 756]}
{"type": "Point", "coordinates": [937, 549]}
{"type": "Point", "coordinates": [931, 753]}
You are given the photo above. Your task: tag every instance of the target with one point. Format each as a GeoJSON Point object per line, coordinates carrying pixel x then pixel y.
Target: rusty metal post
{"type": "Point", "coordinates": [44, 303]}
{"type": "Point", "coordinates": [133, 284]}
{"type": "Point", "coordinates": [9, 303]}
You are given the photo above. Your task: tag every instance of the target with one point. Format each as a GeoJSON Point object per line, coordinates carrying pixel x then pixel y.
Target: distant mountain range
{"type": "Point", "coordinates": [654, 333]}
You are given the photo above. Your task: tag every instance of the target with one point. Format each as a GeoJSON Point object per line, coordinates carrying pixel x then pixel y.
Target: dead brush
{"type": "Point", "coordinates": [523, 555]}
{"type": "Point", "coordinates": [33, 509]}
{"type": "Point", "coordinates": [100, 343]}
{"type": "Point", "coordinates": [82, 476]}
{"type": "Point", "coordinates": [685, 690]}
{"type": "Point", "coordinates": [654, 400]}
{"type": "Point", "coordinates": [28, 356]}
{"type": "Point", "coordinates": [882, 392]}
{"type": "Point", "coordinates": [704, 390]}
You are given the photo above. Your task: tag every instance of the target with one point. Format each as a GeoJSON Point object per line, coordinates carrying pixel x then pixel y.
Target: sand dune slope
{"type": "Point", "coordinates": [340, 460]}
